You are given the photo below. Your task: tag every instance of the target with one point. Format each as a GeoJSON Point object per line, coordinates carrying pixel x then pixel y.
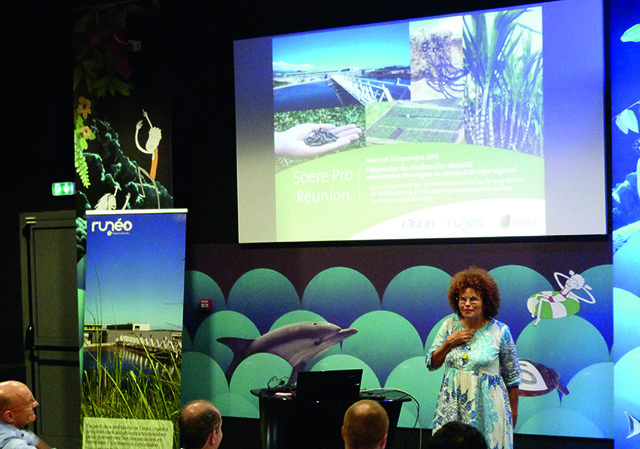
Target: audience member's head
{"type": "Point", "coordinates": [365, 426]}
{"type": "Point", "coordinates": [17, 404]}
{"type": "Point", "coordinates": [200, 425]}
{"type": "Point", "coordinates": [457, 435]}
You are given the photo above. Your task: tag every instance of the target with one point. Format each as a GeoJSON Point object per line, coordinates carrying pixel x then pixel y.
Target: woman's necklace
{"type": "Point", "coordinates": [475, 326]}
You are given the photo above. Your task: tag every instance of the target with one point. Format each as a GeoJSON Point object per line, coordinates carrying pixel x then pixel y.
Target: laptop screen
{"type": "Point", "coordinates": [333, 385]}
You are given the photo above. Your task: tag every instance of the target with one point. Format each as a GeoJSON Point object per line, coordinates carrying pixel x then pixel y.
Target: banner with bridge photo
{"type": "Point", "coordinates": [134, 292]}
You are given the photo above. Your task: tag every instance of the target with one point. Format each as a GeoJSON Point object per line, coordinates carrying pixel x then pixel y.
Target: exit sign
{"type": "Point", "coordinates": [63, 188]}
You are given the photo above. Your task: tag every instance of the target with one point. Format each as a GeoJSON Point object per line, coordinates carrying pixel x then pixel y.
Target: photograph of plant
{"type": "Point", "coordinates": [503, 89]}
{"type": "Point", "coordinates": [114, 386]}
{"type": "Point", "coordinates": [429, 121]}
{"type": "Point", "coordinates": [437, 59]}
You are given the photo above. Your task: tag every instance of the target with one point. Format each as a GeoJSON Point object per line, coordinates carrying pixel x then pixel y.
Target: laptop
{"type": "Point", "coordinates": [332, 385]}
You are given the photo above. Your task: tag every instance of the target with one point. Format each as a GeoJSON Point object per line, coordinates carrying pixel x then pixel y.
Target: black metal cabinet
{"type": "Point", "coordinates": [50, 319]}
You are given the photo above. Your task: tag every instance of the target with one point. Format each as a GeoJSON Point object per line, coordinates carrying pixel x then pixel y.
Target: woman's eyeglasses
{"type": "Point", "coordinates": [473, 300]}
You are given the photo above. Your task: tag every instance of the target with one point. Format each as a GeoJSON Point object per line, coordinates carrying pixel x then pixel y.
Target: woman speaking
{"type": "Point", "coordinates": [482, 373]}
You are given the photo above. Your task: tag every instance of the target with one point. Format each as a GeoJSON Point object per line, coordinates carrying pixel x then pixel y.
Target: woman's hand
{"type": "Point", "coordinates": [458, 338]}
{"type": "Point", "coordinates": [454, 339]}
{"type": "Point", "coordinates": [513, 401]}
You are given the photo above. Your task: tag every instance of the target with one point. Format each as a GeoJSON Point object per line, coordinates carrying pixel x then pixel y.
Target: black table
{"type": "Point", "coordinates": [289, 423]}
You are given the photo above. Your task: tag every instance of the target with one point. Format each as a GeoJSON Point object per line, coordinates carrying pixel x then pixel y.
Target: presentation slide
{"type": "Point", "coordinates": [482, 124]}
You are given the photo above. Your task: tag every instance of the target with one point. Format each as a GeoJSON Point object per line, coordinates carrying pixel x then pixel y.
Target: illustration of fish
{"type": "Point", "coordinates": [634, 425]}
{"type": "Point", "coordinates": [538, 380]}
{"type": "Point", "coordinates": [297, 343]}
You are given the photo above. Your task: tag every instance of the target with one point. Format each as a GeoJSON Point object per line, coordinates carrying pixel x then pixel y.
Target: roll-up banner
{"type": "Point", "coordinates": [132, 329]}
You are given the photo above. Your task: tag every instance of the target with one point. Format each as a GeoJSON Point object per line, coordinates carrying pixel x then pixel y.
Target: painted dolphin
{"type": "Point", "coordinates": [634, 425]}
{"type": "Point", "coordinates": [538, 380]}
{"type": "Point", "coordinates": [297, 343]}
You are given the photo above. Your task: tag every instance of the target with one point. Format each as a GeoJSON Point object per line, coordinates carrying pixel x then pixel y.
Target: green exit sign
{"type": "Point", "coordinates": [63, 188]}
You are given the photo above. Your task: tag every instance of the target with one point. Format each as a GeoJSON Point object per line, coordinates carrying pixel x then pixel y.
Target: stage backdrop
{"type": "Point", "coordinates": [625, 200]}
{"type": "Point", "coordinates": [262, 301]}
{"type": "Point", "coordinates": [133, 299]}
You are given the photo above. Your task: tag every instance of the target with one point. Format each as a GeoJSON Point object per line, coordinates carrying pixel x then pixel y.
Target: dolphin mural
{"type": "Point", "coordinates": [297, 343]}
{"type": "Point", "coordinates": [538, 379]}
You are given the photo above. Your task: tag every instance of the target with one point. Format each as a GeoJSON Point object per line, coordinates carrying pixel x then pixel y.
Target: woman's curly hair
{"type": "Point", "coordinates": [482, 282]}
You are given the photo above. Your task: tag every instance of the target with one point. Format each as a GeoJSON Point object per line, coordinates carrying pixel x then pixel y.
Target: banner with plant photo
{"type": "Point", "coordinates": [132, 352]}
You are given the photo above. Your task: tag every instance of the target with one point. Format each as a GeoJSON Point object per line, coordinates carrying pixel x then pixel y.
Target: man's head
{"type": "Point", "coordinates": [365, 426]}
{"type": "Point", "coordinates": [200, 425]}
{"type": "Point", "coordinates": [457, 435]}
{"type": "Point", "coordinates": [17, 404]}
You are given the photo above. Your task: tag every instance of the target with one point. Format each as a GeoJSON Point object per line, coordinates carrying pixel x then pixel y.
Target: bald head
{"type": "Point", "coordinates": [366, 425]}
{"type": "Point", "coordinates": [200, 425]}
{"type": "Point", "coordinates": [16, 404]}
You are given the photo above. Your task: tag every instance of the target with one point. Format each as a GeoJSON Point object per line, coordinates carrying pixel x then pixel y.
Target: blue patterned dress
{"type": "Point", "coordinates": [476, 377]}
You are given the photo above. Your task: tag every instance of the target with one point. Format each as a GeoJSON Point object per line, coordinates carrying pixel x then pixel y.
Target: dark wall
{"type": "Point", "coordinates": [37, 144]}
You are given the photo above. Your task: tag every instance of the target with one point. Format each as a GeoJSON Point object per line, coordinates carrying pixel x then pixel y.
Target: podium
{"type": "Point", "coordinates": [289, 423]}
